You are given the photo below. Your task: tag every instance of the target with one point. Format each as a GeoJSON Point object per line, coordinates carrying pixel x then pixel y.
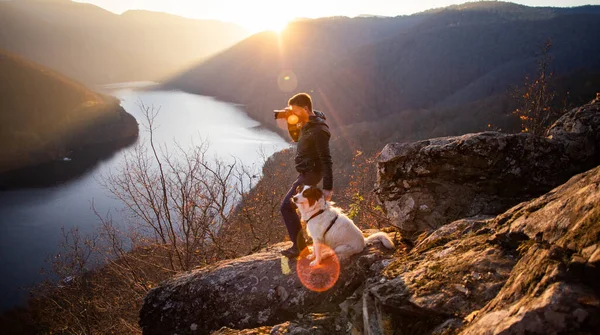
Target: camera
{"type": "Point", "coordinates": [281, 113]}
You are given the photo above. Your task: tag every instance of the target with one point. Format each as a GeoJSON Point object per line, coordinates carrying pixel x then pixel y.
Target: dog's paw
{"type": "Point", "coordinates": [310, 257]}
{"type": "Point", "coordinates": [314, 263]}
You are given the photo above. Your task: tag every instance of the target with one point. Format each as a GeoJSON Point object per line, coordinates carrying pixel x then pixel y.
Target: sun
{"type": "Point", "coordinates": [278, 26]}
{"type": "Point", "coordinates": [262, 15]}
{"type": "Point", "coordinates": [274, 24]}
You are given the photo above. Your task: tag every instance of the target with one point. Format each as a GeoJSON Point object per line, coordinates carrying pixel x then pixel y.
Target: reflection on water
{"type": "Point", "coordinates": [30, 220]}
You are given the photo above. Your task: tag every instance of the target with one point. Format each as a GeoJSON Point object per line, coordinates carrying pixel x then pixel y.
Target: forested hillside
{"type": "Point", "coordinates": [45, 115]}
{"type": "Point", "coordinates": [367, 69]}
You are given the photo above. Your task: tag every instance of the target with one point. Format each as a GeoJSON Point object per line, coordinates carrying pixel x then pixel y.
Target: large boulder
{"type": "Point", "coordinates": [555, 286]}
{"type": "Point", "coordinates": [426, 184]}
{"type": "Point", "coordinates": [442, 280]}
{"type": "Point", "coordinates": [253, 291]}
{"type": "Point", "coordinates": [532, 270]}
{"type": "Point", "coordinates": [579, 131]}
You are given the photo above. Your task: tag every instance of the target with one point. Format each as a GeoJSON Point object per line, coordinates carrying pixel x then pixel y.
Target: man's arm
{"type": "Point", "coordinates": [322, 146]}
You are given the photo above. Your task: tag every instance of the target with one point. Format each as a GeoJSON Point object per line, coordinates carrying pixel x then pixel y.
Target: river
{"type": "Point", "coordinates": [31, 219]}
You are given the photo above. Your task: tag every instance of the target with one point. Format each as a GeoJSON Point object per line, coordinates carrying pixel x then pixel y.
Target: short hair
{"type": "Point", "coordinates": [301, 100]}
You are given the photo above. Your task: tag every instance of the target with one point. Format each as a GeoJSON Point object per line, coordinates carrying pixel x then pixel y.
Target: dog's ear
{"type": "Point", "coordinates": [312, 194]}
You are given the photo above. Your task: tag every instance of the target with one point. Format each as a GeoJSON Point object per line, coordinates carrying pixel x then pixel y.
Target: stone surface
{"type": "Point", "coordinates": [554, 288]}
{"type": "Point", "coordinates": [531, 270]}
{"type": "Point", "coordinates": [579, 131]}
{"type": "Point", "coordinates": [257, 290]}
{"type": "Point", "coordinates": [440, 281]}
{"type": "Point", "coordinates": [309, 324]}
{"type": "Point", "coordinates": [424, 185]}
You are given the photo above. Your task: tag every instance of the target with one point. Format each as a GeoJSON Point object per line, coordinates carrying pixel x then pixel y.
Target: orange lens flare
{"type": "Point", "coordinates": [322, 277]}
{"type": "Point", "coordinates": [292, 119]}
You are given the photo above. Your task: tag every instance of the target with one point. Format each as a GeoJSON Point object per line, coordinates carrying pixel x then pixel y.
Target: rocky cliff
{"type": "Point", "coordinates": [424, 185]}
{"type": "Point", "coordinates": [533, 269]}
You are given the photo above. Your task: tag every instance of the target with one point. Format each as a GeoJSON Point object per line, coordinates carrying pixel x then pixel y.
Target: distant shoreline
{"type": "Point", "coordinates": [86, 150]}
{"type": "Point", "coordinates": [58, 171]}
{"type": "Point", "coordinates": [146, 85]}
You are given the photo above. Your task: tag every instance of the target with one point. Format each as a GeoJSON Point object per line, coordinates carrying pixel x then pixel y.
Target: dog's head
{"type": "Point", "coordinates": [307, 196]}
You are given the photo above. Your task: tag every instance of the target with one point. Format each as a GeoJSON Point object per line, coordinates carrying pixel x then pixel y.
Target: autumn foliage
{"type": "Point", "coordinates": [536, 110]}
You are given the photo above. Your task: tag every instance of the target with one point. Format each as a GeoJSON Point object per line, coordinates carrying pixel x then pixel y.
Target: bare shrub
{"type": "Point", "coordinates": [257, 221]}
{"type": "Point", "coordinates": [364, 208]}
{"type": "Point", "coordinates": [83, 296]}
{"type": "Point", "coordinates": [69, 304]}
{"type": "Point", "coordinates": [178, 200]}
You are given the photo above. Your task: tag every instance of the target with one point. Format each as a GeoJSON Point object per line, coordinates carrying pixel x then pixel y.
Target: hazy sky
{"type": "Point", "coordinates": [268, 14]}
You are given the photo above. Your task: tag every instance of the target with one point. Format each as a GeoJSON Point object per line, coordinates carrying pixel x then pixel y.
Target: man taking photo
{"type": "Point", "coordinates": [313, 163]}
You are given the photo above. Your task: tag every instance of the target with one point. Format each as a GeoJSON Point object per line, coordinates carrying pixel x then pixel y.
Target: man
{"type": "Point", "coordinates": [313, 163]}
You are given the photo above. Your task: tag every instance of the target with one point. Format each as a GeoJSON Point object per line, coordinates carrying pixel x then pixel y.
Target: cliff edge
{"type": "Point", "coordinates": [533, 268]}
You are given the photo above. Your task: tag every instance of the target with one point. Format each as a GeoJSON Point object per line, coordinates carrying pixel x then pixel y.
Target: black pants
{"type": "Point", "coordinates": [288, 208]}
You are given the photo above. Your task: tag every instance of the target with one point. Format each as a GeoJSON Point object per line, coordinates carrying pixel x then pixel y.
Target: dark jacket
{"type": "Point", "coordinates": [312, 152]}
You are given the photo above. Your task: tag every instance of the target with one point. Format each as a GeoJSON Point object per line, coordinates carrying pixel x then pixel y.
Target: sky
{"type": "Point", "coordinates": [257, 15]}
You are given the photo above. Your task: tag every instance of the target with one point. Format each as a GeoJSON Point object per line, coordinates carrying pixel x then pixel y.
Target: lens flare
{"type": "Point", "coordinates": [293, 119]}
{"type": "Point", "coordinates": [322, 277]}
{"type": "Point", "coordinates": [287, 81]}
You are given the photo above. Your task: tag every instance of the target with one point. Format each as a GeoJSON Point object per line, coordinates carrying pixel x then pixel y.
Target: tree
{"type": "Point", "coordinates": [535, 104]}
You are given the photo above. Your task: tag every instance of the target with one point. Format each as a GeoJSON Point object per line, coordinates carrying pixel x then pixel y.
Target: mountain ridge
{"type": "Point", "coordinates": [96, 46]}
{"type": "Point", "coordinates": [415, 62]}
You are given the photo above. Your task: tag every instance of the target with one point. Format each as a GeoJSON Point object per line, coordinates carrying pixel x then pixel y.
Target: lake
{"type": "Point", "coordinates": [31, 219]}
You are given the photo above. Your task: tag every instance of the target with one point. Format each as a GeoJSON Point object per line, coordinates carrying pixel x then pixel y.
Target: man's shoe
{"type": "Point", "coordinates": [291, 252]}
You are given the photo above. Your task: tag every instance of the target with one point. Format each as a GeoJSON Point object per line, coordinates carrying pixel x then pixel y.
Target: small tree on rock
{"type": "Point", "coordinates": [535, 104]}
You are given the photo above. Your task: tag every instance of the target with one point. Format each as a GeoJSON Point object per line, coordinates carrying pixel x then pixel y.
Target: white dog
{"type": "Point", "coordinates": [328, 225]}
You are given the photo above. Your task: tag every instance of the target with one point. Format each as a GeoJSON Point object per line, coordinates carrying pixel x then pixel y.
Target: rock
{"type": "Point", "coordinates": [555, 214]}
{"type": "Point", "coordinates": [483, 173]}
{"type": "Point", "coordinates": [311, 324]}
{"type": "Point", "coordinates": [546, 293]}
{"type": "Point", "coordinates": [450, 326]}
{"type": "Point", "coordinates": [490, 272]}
{"type": "Point", "coordinates": [494, 274]}
{"type": "Point", "coordinates": [266, 330]}
{"type": "Point", "coordinates": [248, 292]}
{"type": "Point", "coordinates": [579, 131]}
{"type": "Point", "coordinates": [446, 275]}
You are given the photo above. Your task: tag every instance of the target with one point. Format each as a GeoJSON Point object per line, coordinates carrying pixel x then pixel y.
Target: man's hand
{"type": "Point", "coordinates": [327, 194]}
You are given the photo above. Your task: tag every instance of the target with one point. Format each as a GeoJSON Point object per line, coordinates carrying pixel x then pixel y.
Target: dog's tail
{"type": "Point", "coordinates": [381, 237]}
